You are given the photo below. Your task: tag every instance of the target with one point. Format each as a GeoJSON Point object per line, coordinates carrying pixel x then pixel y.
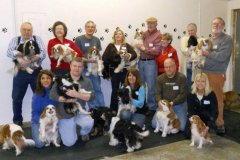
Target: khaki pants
{"type": "Point", "coordinates": [216, 81]}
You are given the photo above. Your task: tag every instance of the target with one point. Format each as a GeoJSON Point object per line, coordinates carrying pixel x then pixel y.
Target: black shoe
{"type": "Point", "coordinates": [221, 130]}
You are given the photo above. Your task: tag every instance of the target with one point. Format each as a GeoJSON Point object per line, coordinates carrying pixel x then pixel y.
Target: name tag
{"type": "Point", "coordinates": [150, 45]}
{"type": "Point", "coordinates": [137, 93]}
{"type": "Point", "coordinates": [175, 88]}
{"type": "Point", "coordinates": [86, 44]}
{"type": "Point", "coordinates": [170, 55]}
{"type": "Point", "coordinates": [123, 48]}
{"type": "Point", "coordinates": [206, 102]}
{"type": "Point", "coordinates": [215, 46]}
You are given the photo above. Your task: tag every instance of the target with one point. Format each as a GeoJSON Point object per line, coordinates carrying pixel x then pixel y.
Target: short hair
{"type": "Point", "coordinates": [39, 88]}
{"type": "Point", "coordinates": [170, 59]}
{"type": "Point", "coordinates": [136, 74]}
{"type": "Point", "coordinates": [167, 36]}
{"type": "Point", "coordinates": [64, 28]}
{"type": "Point", "coordinates": [192, 25]}
{"type": "Point", "coordinates": [90, 21]}
{"type": "Point", "coordinates": [222, 21]}
{"type": "Point", "coordinates": [76, 59]}
{"type": "Point", "coordinates": [204, 77]}
{"type": "Point", "coordinates": [24, 23]}
{"type": "Point", "coordinates": [115, 32]}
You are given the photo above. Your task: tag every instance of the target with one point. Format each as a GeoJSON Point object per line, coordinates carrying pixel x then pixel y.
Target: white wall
{"type": "Point", "coordinates": [108, 14]}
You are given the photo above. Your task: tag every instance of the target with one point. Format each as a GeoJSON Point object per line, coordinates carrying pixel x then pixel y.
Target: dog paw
{"type": "Point", "coordinates": [156, 131]}
{"type": "Point", "coordinates": [113, 142]}
{"type": "Point", "coordinates": [5, 147]}
{"type": "Point", "coordinates": [47, 144]}
{"type": "Point", "coordinates": [138, 145]}
{"type": "Point", "coordinates": [57, 145]}
{"type": "Point", "coordinates": [164, 135]}
{"type": "Point", "coordinates": [191, 144]}
{"type": "Point", "coordinates": [199, 147]}
{"type": "Point", "coordinates": [116, 70]}
{"type": "Point", "coordinates": [130, 149]}
{"type": "Point", "coordinates": [18, 152]}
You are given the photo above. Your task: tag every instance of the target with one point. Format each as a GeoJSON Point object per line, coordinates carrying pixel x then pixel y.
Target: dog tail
{"type": "Point", "coordinates": [144, 133]}
{"type": "Point", "coordinates": [29, 142]}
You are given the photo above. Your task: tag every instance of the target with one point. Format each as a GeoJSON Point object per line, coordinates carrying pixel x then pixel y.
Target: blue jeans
{"type": "Point", "coordinates": [68, 131]}
{"type": "Point", "coordinates": [96, 82]}
{"type": "Point", "coordinates": [148, 73]}
{"type": "Point", "coordinates": [20, 85]}
{"type": "Point", "coordinates": [35, 136]}
{"type": "Point", "coordinates": [137, 118]}
{"type": "Point", "coordinates": [181, 112]}
{"type": "Point", "coordinates": [189, 75]}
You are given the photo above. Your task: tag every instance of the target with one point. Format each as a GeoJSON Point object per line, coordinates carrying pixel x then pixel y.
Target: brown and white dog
{"type": "Point", "coordinates": [138, 40]}
{"type": "Point", "coordinates": [199, 132]}
{"type": "Point", "coordinates": [12, 135]}
{"type": "Point", "coordinates": [204, 45]}
{"type": "Point", "coordinates": [94, 68]}
{"type": "Point", "coordinates": [231, 99]}
{"type": "Point", "coordinates": [48, 130]}
{"type": "Point", "coordinates": [62, 52]}
{"type": "Point", "coordinates": [167, 120]}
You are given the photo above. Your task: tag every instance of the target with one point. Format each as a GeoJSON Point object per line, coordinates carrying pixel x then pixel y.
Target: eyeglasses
{"type": "Point", "coordinates": [168, 67]}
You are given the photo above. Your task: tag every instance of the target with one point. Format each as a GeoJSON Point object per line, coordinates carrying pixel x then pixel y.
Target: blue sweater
{"type": "Point", "coordinates": [39, 102]}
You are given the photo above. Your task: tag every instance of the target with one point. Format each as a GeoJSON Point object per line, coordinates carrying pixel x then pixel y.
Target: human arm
{"type": "Point", "coordinates": [139, 102]}
{"type": "Point", "coordinates": [183, 89]}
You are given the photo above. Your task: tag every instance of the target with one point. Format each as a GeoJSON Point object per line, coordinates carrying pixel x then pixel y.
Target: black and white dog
{"type": "Point", "coordinates": [63, 84]}
{"type": "Point", "coordinates": [102, 119]}
{"type": "Point", "coordinates": [28, 49]}
{"type": "Point", "coordinates": [125, 101]}
{"type": "Point", "coordinates": [126, 132]}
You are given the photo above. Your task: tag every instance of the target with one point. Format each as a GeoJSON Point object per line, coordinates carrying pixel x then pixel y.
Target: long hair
{"type": "Point", "coordinates": [115, 32]}
{"type": "Point", "coordinates": [203, 77]}
{"type": "Point", "coordinates": [39, 88]}
{"type": "Point", "coordinates": [136, 74]}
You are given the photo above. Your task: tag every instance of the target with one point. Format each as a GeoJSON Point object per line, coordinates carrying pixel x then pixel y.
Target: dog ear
{"type": "Point", "coordinates": [60, 49]}
{"type": "Point", "coordinates": [57, 112]}
{"type": "Point", "coordinates": [43, 113]}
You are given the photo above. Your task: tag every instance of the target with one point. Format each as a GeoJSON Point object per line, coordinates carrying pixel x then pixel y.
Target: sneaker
{"type": "Point", "coordinates": [85, 138]}
{"type": "Point", "coordinates": [221, 130]}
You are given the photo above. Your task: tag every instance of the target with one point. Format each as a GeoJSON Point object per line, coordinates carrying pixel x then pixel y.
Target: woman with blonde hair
{"type": "Point", "coordinates": [202, 101]}
{"type": "Point", "coordinates": [111, 59]}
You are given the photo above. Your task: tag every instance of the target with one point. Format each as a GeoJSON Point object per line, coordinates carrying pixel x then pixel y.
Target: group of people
{"type": "Point", "coordinates": [156, 77]}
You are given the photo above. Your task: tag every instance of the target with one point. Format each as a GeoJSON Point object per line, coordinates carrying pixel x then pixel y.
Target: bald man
{"type": "Point", "coordinates": [23, 78]}
{"type": "Point", "coordinates": [172, 86]}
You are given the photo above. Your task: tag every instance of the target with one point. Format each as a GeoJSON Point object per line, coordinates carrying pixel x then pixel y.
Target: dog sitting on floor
{"type": "Point", "coordinates": [124, 99]}
{"type": "Point", "coordinates": [48, 130]}
{"type": "Point", "coordinates": [62, 52]}
{"type": "Point", "coordinates": [63, 84]}
{"type": "Point", "coordinates": [167, 120]}
{"type": "Point", "coordinates": [231, 98]}
{"type": "Point", "coordinates": [199, 132]}
{"type": "Point", "coordinates": [102, 118]}
{"type": "Point", "coordinates": [126, 132]}
{"type": "Point", "coordinates": [12, 135]}
{"type": "Point", "coordinates": [28, 49]}
{"type": "Point", "coordinates": [94, 68]}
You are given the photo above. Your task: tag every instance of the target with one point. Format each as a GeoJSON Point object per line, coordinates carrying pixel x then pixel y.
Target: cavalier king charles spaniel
{"type": "Point", "coordinates": [62, 52]}
{"type": "Point", "coordinates": [199, 132]}
{"type": "Point", "coordinates": [166, 120]}
{"type": "Point", "coordinates": [94, 68]}
{"type": "Point", "coordinates": [12, 135]}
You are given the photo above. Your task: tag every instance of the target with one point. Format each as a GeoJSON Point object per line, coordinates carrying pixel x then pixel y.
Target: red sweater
{"type": "Point", "coordinates": [64, 65]}
{"type": "Point", "coordinates": [170, 52]}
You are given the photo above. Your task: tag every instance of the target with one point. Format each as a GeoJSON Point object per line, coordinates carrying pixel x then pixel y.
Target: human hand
{"type": "Point", "coordinates": [72, 93]}
{"type": "Point", "coordinates": [205, 53]}
{"type": "Point", "coordinates": [127, 57]}
{"type": "Point", "coordinates": [24, 63]}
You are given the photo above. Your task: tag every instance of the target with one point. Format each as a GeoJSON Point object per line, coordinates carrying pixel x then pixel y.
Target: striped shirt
{"type": "Point", "coordinates": [11, 52]}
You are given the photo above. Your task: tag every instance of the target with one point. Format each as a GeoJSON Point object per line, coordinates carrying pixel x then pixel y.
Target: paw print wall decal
{"type": "Point", "coordinates": [184, 32]}
{"type": "Point", "coordinates": [129, 26]}
{"type": "Point", "coordinates": [117, 28]}
{"type": "Point", "coordinates": [107, 30]}
{"type": "Point", "coordinates": [125, 34]}
{"type": "Point", "coordinates": [50, 29]}
{"type": "Point", "coordinates": [137, 29]}
{"type": "Point", "coordinates": [165, 26]}
{"type": "Point", "coordinates": [175, 29]}
{"type": "Point", "coordinates": [143, 24]}
{"type": "Point", "coordinates": [79, 30]}
{"type": "Point", "coordinates": [179, 37]}
{"type": "Point", "coordinates": [74, 38]}
{"type": "Point", "coordinates": [4, 30]}
{"type": "Point", "coordinates": [102, 38]}
{"type": "Point", "coordinates": [210, 35]}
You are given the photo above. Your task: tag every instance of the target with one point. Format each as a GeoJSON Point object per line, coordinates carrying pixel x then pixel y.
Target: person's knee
{"type": "Point", "coordinates": [39, 144]}
{"type": "Point", "coordinates": [125, 115]}
{"type": "Point", "coordinates": [68, 142]}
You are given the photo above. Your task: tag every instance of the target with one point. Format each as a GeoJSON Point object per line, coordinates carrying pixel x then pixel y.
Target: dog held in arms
{"type": "Point", "coordinates": [29, 49]}
{"type": "Point", "coordinates": [126, 132]}
{"type": "Point", "coordinates": [63, 84]}
{"type": "Point", "coordinates": [62, 52]}
{"type": "Point", "coordinates": [166, 119]}
{"type": "Point", "coordinates": [199, 132]}
{"type": "Point", "coordinates": [138, 40]}
{"type": "Point", "coordinates": [94, 68]}
{"type": "Point", "coordinates": [12, 135]}
{"type": "Point", "coordinates": [48, 130]}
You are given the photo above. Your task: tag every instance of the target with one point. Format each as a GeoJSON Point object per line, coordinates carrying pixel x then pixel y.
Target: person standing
{"type": "Point", "coordinates": [69, 122]}
{"type": "Point", "coordinates": [167, 52]}
{"type": "Point", "coordinates": [216, 64]}
{"type": "Point", "coordinates": [111, 59]}
{"type": "Point", "coordinates": [186, 62]}
{"type": "Point", "coordinates": [60, 32]}
{"type": "Point", "coordinates": [23, 78]}
{"type": "Point", "coordinates": [147, 65]}
{"type": "Point", "coordinates": [84, 42]}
